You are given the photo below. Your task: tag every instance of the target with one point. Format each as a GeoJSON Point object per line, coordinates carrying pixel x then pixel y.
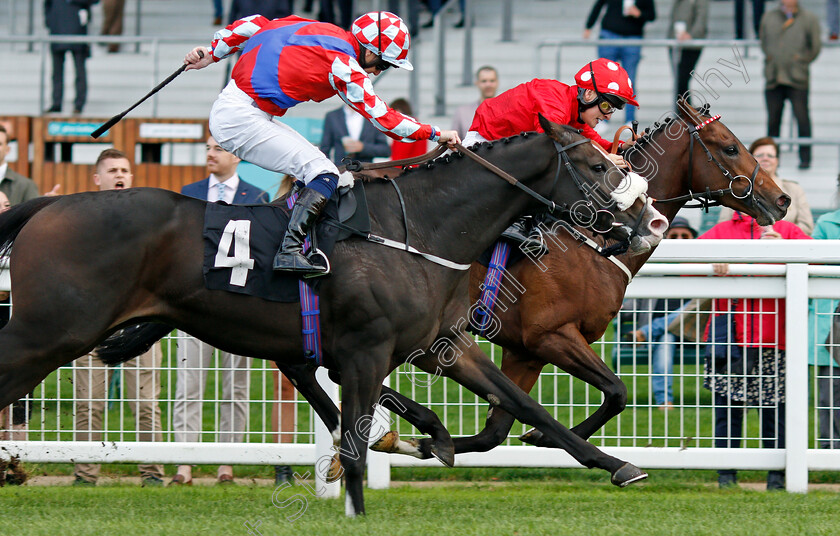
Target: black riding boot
{"type": "Point", "coordinates": [290, 257]}
{"type": "Point", "coordinates": [522, 232]}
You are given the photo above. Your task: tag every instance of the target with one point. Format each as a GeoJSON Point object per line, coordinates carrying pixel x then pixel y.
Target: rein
{"type": "Point", "coordinates": [355, 165]}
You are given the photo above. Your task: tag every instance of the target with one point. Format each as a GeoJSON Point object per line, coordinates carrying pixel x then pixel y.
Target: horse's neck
{"type": "Point", "coordinates": [669, 181]}
{"type": "Point", "coordinates": [457, 209]}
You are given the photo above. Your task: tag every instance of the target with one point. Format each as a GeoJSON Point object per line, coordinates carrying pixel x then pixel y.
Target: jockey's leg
{"type": "Point", "coordinates": [308, 207]}
{"type": "Point", "coordinates": [524, 234]}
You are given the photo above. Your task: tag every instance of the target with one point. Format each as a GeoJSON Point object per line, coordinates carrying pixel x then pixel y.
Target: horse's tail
{"type": "Point", "coordinates": [13, 220]}
{"type": "Point", "coordinates": [130, 342]}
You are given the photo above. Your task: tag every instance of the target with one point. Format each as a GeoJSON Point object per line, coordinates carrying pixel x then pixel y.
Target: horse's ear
{"type": "Point", "coordinates": [548, 127]}
{"type": "Point", "coordinates": [687, 112]}
{"type": "Point", "coordinates": [554, 130]}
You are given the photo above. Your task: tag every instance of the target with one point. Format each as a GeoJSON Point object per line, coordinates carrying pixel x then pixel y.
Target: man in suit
{"type": "Point", "coordinates": [224, 184]}
{"type": "Point", "coordinates": [194, 356]}
{"type": "Point", "coordinates": [16, 187]}
{"type": "Point", "coordinates": [346, 133]}
{"type": "Point", "coordinates": [487, 82]}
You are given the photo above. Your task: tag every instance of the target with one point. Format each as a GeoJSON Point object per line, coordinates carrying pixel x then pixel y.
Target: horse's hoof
{"type": "Point", "coordinates": [444, 452]}
{"type": "Point", "coordinates": [387, 443]}
{"type": "Point", "coordinates": [336, 470]}
{"type": "Point", "coordinates": [532, 436]}
{"type": "Point", "coordinates": [626, 475]}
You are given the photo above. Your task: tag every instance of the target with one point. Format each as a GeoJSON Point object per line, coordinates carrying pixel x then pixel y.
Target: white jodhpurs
{"type": "Point", "coordinates": [251, 134]}
{"type": "Point", "coordinates": [471, 138]}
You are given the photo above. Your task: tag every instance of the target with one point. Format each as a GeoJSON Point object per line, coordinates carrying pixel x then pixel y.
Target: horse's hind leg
{"type": "Point", "coordinates": [477, 373]}
{"type": "Point", "coordinates": [569, 351]}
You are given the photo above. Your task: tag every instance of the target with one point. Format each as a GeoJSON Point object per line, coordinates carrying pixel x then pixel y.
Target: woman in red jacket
{"type": "Point", "coordinates": [758, 379]}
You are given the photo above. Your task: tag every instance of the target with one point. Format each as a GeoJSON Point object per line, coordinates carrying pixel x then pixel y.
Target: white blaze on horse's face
{"type": "Point", "coordinates": [631, 187]}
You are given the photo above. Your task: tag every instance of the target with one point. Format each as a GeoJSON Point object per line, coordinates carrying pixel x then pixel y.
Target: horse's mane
{"type": "Point", "coordinates": [658, 127]}
{"type": "Point", "coordinates": [451, 157]}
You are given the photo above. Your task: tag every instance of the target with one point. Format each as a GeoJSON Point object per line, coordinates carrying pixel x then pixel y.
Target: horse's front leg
{"type": "Point", "coordinates": [476, 372]}
{"type": "Point", "coordinates": [569, 351]}
{"type": "Point", "coordinates": [440, 445]}
{"type": "Point", "coordinates": [362, 374]}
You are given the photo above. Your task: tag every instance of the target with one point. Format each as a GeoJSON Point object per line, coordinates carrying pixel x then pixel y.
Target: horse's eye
{"type": "Point", "coordinates": [731, 150]}
{"type": "Point", "coordinates": [600, 168]}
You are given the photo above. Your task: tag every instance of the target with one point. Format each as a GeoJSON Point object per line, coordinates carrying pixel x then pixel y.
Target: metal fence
{"type": "Point", "coordinates": [799, 273]}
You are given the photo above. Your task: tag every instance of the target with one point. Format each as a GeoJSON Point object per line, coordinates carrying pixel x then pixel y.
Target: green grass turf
{"type": "Point", "coordinates": [574, 508]}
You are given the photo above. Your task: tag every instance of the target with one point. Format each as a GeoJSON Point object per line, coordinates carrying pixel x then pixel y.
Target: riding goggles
{"type": "Point", "coordinates": [608, 104]}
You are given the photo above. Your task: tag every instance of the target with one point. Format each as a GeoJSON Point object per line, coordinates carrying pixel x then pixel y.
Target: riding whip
{"type": "Point", "coordinates": [116, 119]}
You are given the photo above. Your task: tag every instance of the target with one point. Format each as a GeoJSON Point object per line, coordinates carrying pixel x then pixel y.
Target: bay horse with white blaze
{"type": "Point", "coordinates": [85, 265]}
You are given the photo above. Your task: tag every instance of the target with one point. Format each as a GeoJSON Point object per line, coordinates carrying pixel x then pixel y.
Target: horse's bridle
{"type": "Point", "coordinates": [711, 198]}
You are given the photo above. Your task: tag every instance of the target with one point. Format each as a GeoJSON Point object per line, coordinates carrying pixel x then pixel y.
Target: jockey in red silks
{"type": "Point", "coordinates": [603, 87]}
{"type": "Point", "coordinates": [292, 60]}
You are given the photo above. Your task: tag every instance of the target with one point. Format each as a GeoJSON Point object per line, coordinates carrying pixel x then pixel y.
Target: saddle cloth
{"type": "Point", "coordinates": [240, 242]}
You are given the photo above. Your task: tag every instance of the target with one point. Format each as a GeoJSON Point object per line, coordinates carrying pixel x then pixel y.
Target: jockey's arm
{"type": "Point", "coordinates": [227, 41]}
{"type": "Point", "coordinates": [355, 88]}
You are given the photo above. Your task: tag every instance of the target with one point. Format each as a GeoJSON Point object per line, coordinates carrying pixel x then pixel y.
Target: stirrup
{"type": "Point", "coordinates": [319, 260]}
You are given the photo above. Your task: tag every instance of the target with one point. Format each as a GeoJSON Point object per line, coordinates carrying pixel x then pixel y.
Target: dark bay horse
{"type": "Point", "coordinates": [560, 315]}
{"type": "Point", "coordinates": [85, 265]}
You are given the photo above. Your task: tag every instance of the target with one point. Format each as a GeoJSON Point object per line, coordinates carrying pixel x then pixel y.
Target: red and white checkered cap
{"type": "Point", "coordinates": [395, 40]}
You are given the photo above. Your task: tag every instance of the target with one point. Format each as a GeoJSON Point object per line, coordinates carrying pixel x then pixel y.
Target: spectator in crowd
{"type": "Point", "coordinates": [401, 149]}
{"type": "Point", "coordinates": [326, 12]}
{"type": "Point", "coordinates": [347, 134]}
{"type": "Point", "coordinates": [15, 186]}
{"type": "Point", "coordinates": [824, 348]}
{"type": "Point", "coordinates": [689, 20]}
{"type": "Point", "coordinates": [663, 341]}
{"type": "Point", "coordinates": [487, 82]}
{"type": "Point", "coordinates": [112, 21]}
{"type": "Point", "coordinates": [832, 12]}
{"type": "Point", "coordinates": [752, 372]}
{"type": "Point", "coordinates": [790, 38]}
{"type": "Point", "coordinates": [623, 19]}
{"type": "Point", "coordinates": [270, 9]}
{"type": "Point", "coordinates": [436, 5]}
{"type": "Point", "coordinates": [218, 12]}
{"type": "Point", "coordinates": [194, 357]}
{"type": "Point", "coordinates": [766, 152]}
{"type": "Point", "coordinates": [740, 13]}
{"type": "Point", "coordinates": [336, 62]}
{"type": "Point", "coordinates": [140, 380]}
{"type": "Point", "coordinates": [68, 17]}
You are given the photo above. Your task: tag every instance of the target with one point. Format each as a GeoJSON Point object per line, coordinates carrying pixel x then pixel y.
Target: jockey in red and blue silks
{"type": "Point", "coordinates": [291, 60]}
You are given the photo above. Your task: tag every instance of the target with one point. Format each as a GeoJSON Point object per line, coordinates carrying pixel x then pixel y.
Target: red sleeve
{"type": "Point", "coordinates": [355, 88]}
{"type": "Point", "coordinates": [229, 40]}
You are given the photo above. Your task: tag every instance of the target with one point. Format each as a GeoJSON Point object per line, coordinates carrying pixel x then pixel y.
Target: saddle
{"type": "Point", "coordinates": [240, 242]}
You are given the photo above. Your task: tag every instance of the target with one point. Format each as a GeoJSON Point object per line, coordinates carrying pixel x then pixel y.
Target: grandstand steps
{"type": "Point", "coordinates": [117, 80]}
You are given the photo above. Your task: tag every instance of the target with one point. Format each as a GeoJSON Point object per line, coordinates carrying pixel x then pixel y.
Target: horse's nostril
{"type": "Point", "coordinates": [783, 201]}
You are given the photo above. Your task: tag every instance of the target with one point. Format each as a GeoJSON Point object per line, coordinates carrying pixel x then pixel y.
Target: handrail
{"type": "Point", "coordinates": [659, 43]}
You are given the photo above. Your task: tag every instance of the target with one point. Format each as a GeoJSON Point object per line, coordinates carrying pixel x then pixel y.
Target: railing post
{"type": "Point", "coordinates": [324, 443]}
{"type": "Point", "coordinates": [137, 25]}
{"type": "Point", "coordinates": [507, 21]}
{"type": "Point", "coordinates": [467, 75]}
{"type": "Point", "coordinates": [440, 68]}
{"type": "Point", "coordinates": [796, 378]}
